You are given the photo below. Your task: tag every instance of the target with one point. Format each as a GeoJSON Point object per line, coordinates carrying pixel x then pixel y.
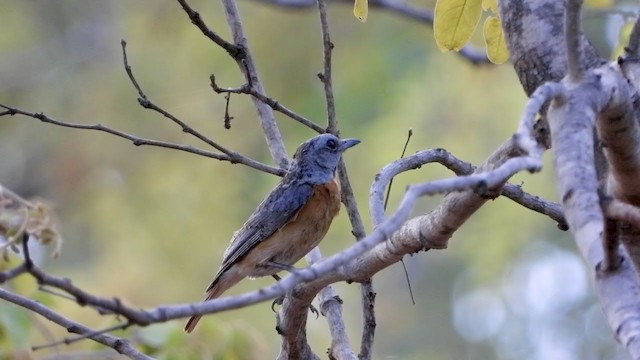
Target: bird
{"type": "Point", "coordinates": [289, 222]}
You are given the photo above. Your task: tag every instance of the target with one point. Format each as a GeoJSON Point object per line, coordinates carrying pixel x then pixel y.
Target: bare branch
{"type": "Point", "coordinates": [537, 52]}
{"type": "Point", "coordinates": [232, 157]}
{"type": "Point", "coordinates": [549, 208]}
{"type": "Point", "coordinates": [620, 135]}
{"type": "Point", "coordinates": [274, 104]}
{"type": "Point", "coordinates": [572, 32]}
{"type": "Point", "coordinates": [147, 104]}
{"type": "Point", "coordinates": [196, 19]}
{"type": "Point", "coordinates": [443, 157]}
{"type": "Point", "coordinates": [572, 123]}
{"type": "Point", "coordinates": [632, 50]}
{"type": "Point", "coordinates": [325, 75]}
{"type": "Point", "coordinates": [331, 308]}
{"type": "Point", "coordinates": [120, 345]}
{"type": "Point", "coordinates": [384, 176]}
{"type": "Point", "coordinates": [471, 54]}
{"type": "Point", "coordinates": [68, 341]}
{"type": "Point", "coordinates": [366, 287]}
{"type": "Point", "coordinates": [246, 64]}
{"type": "Point", "coordinates": [12, 273]}
{"type": "Point", "coordinates": [525, 135]}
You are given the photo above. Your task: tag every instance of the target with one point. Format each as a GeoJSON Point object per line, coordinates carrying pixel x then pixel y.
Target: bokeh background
{"type": "Point", "coordinates": [149, 225]}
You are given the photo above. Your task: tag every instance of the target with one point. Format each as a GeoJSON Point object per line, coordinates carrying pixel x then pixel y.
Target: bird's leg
{"type": "Point", "coordinates": [277, 265]}
{"type": "Point", "coordinates": [279, 300]}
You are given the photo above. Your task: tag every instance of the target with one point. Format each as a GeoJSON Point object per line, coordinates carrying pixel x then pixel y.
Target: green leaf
{"type": "Point", "coordinates": [496, 47]}
{"type": "Point", "coordinates": [491, 5]}
{"type": "Point", "coordinates": [623, 38]}
{"type": "Point", "coordinates": [454, 22]}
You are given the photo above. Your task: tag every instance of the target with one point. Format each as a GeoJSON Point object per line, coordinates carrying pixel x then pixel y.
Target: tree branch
{"type": "Point", "coordinates": [632, 50]}
{"type": "Point", "coordinates": [196, 20]}
{"type": "Point", "coordinates": [274, 104]}
{"type": "Point", "coordinates": [331, 308]}
{"type": "Point", "coordinates": [572, 32]}
{"type": "Point", "coordinates": [469, 53]}
{"type": "Point", "coordinates": [144, 101]}
{"type": "Point", "coordinates": [325, 75]}
{"type": "Point", "coordinates": [232, 157]}
{"type": "Point", "coordinates": [120, 345]}
{"type": "Point", "coordinates": [246, 65]}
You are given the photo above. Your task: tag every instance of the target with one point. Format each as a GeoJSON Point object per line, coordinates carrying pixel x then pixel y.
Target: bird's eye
{"type": "Point", "coordinates": [332, 144]}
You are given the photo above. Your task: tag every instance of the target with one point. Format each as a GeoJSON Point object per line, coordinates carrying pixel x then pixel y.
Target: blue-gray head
{"type": "Point", "coordinates": [316, 159]}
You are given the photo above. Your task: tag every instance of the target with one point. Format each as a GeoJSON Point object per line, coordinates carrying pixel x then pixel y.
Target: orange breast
{"type": "Point", "coordinates": [301, 234]}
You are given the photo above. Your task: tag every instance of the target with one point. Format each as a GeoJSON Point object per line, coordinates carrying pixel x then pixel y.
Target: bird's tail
{"type": "Point", "coordinates": [219, 285]}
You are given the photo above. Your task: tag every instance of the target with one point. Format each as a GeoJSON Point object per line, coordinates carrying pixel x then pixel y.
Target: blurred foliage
{"type": "Point", "coordinates": [20, 218]}
{"type": "Point", "coordinates": [149, 225]}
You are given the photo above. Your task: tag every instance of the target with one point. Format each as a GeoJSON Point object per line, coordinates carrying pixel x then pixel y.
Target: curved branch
{"type": "Point", "coordinates": [120, 345]}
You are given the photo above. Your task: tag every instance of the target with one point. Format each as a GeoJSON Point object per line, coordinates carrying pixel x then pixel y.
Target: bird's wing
{"type": "Point", "coordinates": [282, 205]}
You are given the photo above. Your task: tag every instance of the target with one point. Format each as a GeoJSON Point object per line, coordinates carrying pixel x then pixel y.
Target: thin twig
{"type": "Point", "coordinates": [69, 341]}
{"type": "Point", "coordinates": [233, 157]}
{"type": "Point", "coordinates": [325, 75]}
{"type": "Point", "coordinates": [196, 19]}
{"type": "Point", "coordinates": [122, 346]}
{"type": "Point", "coordinates": [274, 104]}
{"type": "Point", "coordinates": [386, 202]}
{"type": "Point", "coordinates": [572, 32]}
{"type": "Point", "coordinates": [247, 66]}
{"type": "Point", "coordinates": [443, 157]}
{"type": "Point", "coordinates": [12, 273]}
{"type": "Point", "coordinates": [227, 117]}
{"type": "Point", "coordinates": [148, 104]}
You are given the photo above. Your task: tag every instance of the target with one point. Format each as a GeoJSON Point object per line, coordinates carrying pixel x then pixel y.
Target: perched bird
{"type": "Point", "coordinates": [289, 222]}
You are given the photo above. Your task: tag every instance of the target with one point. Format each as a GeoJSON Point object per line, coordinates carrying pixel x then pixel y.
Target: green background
{"type": "Point", "coordinates": [149, 225]}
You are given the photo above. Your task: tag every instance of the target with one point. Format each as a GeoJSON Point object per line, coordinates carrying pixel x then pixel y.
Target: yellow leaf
{"type": "Point", "coordinates": [454, 22]}
{"type": "Point", "coordinates": [361, 9]}
{"type": "Point", "coordinates": [496, 47]}
{"type": "Point", "coordinates": [623, 39]}
{"type": "Point", "coordinates": [599, 4]}
{"type": "Point", "coordinates": [490, 5]}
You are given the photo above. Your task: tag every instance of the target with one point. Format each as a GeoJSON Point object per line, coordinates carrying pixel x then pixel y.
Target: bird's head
{"type": "Point", "coordinates": [317, 158]}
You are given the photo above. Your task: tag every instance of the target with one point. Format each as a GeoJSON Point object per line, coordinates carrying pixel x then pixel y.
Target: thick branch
{"type": "Point", "coordinates": [534, 32]}
{"type": "Point", "coordinates": [619, 133]}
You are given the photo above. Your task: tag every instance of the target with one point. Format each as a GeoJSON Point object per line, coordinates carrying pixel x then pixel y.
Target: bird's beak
{"type": "Point", "coordinates": [347, 143]}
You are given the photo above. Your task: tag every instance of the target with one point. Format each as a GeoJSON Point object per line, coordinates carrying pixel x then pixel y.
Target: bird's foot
{"type": "Point", "coordinates": [279, 300]}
